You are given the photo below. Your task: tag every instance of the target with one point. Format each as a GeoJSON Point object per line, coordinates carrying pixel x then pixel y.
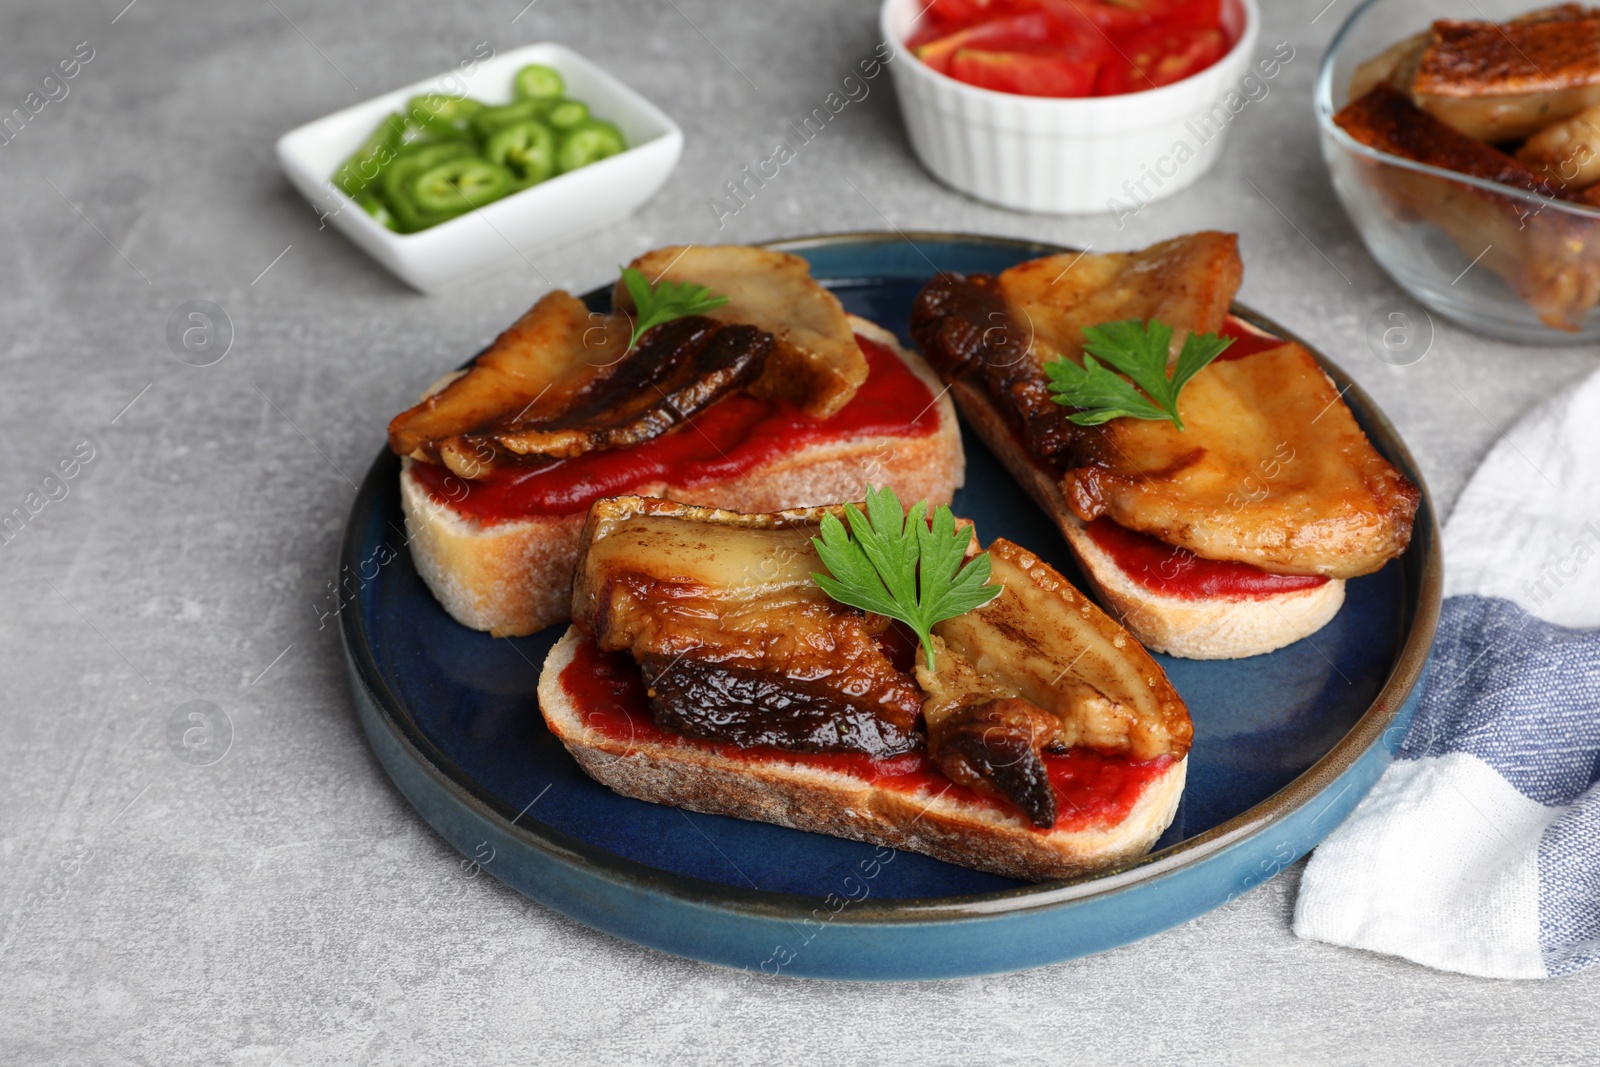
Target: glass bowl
{"type": "Point", "coordinates": [1511, 264]}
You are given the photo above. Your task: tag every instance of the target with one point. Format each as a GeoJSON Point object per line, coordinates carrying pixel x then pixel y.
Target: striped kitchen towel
{"type": "Point", "coordinates": [1479, 849]}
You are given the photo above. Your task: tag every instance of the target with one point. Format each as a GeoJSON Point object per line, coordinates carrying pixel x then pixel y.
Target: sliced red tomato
{"type": "Point", "coordinates": [1161, 56]}
{"type": "Point", "coordinates": [1015, 31]}
{"type": "Point", "coordinates": [961, 13]}
{"type": "Point", "coordinates": [1070, 36]}
{"type": "Point", "coordinates": [1033, 32]}
{"type": "Point", "coordinates": [1026, 73]}
{"type": "Point", "coordinates": [1122, 18]}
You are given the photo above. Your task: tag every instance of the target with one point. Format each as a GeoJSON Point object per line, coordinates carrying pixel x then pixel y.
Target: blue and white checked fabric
{"type": "Point", "coordinates": [1479, 849]}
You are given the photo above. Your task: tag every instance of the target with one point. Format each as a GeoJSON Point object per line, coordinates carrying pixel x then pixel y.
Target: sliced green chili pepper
{"type": "Point", "coordinates": [460, 184]}
{"type": "Point", "coordinates": [593, 140]}
{"type": "Point", "coordinates": [447, 154]}
{"type": "Point", "coordinates": [375, 207]}
{"type": "Point", "coordinates": [442, 113]}
{"type": "Point", "coordinates": [537, 82]}
{"type": "Point", "coordinates": [395, 184]}
{"type": "Point", "coordinates": [491, 120]}
{"type": "Point", "coordinates": [567, 114]}
{"type": "Point", "coordinates": [363, 166]}
{"type": "Point", "coordinates": [528, 149]}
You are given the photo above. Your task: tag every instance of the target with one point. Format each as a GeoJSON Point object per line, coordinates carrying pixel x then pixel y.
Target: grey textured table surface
{"type": "Point", "coordinates": [284, 905]}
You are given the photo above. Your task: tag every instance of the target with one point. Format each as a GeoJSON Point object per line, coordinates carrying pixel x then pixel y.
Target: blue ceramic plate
{"type": "Point", "coordinates": [1285, 744]}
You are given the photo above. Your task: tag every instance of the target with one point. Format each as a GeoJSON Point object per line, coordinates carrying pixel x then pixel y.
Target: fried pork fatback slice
{"type": "Point", "coordinates": [563, 381]}
{"type": "Point", "coordinates": [1187, 282]}
{"type": "Point", "coordinates": [1270, 470]}
{"type": "Point", "coordinates": [1003, 330]}
{"type": "Point", "coordinates": [535, 369]}
{"type": "Point", "coordinates": [738, 644]}
{"type": "Point", "coordinates": [1336, 508]}
{"type": "Point", "coordinates": [1041, 667]}
{"type": "Point", "coordinates": [817, 365]}
{"type": "Point", "coordinates": [736, 641]}
{"type": "Point", "coordinates": [1505, 82]}
{"type": "Point", "coordinates": [1043, 640]}
{"type": "Point", "coordinates": [1384, 119]}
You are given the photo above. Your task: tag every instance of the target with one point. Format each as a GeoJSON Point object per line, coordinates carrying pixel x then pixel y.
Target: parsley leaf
{"type": "Point", "coordinates": [1139, 350]}
{"type": "Point", "coordinates": [895, 564]}
{"type": "Point", "coordinates": [664, 301]}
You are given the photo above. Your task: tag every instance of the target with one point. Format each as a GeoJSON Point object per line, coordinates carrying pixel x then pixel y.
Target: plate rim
{"type": "Point", "coordinates": [1368, 731]}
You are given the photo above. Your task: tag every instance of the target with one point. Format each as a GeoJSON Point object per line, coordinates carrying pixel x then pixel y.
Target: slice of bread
{"type": "Point", "coordinates": [805, 797]}
{"type": "Point", "coordinates": [1201, 628]}
{"type": "Point", "coordinates": [515, 577]}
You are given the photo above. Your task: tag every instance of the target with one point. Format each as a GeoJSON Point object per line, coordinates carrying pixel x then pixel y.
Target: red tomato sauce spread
{"type": "Point", "coordinates": [1246, 341]}
{"type": "Point", "coordinates": [1178, 572]}
{"type": "Point", "coordinates": [728, 439]}
{"type": "Point", "coordinates": [1092, 790]}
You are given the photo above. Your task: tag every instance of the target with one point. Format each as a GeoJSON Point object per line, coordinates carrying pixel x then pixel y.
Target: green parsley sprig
{"type": "Point", "coordinates": [1139, 350]}
{"type": "Point", "coordinates": [664, 301]}
{"type": "Point", "coordinates": [899, 565]}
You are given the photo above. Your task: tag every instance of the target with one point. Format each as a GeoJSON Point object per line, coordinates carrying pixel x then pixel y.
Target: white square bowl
{"type": "Point", "coordinates": [486, 240]}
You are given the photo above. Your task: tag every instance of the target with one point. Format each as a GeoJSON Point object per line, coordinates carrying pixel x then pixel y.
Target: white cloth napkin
{"type": "Point", "coordinates": [1479, 849]}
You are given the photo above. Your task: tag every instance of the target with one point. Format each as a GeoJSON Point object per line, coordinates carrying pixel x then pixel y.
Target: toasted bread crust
{"type": "Point", "coordinates": [1210, 628]}
{"type": "Point", "coordinates": [1205, 627]}
{"type": "Point", "coordinates": [805, 798]}
{"type": "Point", "coordinates": [515, 578]}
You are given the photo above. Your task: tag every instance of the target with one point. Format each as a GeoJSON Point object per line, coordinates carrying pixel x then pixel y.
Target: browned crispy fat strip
{"type": "Point", "coordinates": [1384, 119]}
{"type": "Point", "coordinates": [1504, 82]}
{"type": "Point", "coordinates": [1187, 282]}
{"type": "Point", "coordinates": [562, 381]}
{"type": "Point", "coordinates": [1567, 152]}
{"type": "Point", "coordinates": [992, 745]}
{"type": "Point", "coordinates": [962, 325]}
{"type": "Point", "coordinates": [1396, 65]}
{"type": "Point", "coordinates": [1322, 500]}
{"type": "Point", "coordinates": [1336, 507]}
{"type": "Point", "coordinates": [1044, 642]}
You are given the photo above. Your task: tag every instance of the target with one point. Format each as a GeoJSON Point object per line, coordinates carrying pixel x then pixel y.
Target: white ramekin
{"type": "Point", "coordinates": [509, 230]}
{"type": "Point", "coordinates": [1068, 156]}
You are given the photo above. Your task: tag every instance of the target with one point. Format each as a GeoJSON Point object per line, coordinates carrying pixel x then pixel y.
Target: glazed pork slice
{"type": "Point", "coordinates": [817, 365]}
{"type": "Point", "coordinates": [1505, 82]}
